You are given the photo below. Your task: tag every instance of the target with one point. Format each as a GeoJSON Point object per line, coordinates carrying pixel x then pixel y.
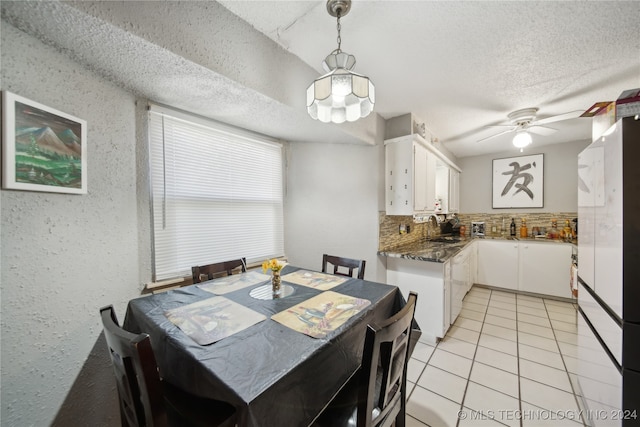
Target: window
{"type": "Point", "coordinates": [216, 193]}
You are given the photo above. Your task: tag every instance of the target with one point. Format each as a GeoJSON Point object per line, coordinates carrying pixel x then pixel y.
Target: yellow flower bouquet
{"type": "Point", "coordinates": [275, 266]}
{"type": "Point", "coordinates": [271, 264]}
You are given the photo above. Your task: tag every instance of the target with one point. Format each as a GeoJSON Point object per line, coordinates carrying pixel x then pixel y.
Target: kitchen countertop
{"type": "Point", "coordinates": [429, 250]}
{"type": "Point", "coordinates": [437, 250]}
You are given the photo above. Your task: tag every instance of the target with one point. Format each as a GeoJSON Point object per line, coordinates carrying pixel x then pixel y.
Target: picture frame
{"type": "Point", "coordinates": [43, 149]}
{"type": "Point", "coordinates": [518, 182]}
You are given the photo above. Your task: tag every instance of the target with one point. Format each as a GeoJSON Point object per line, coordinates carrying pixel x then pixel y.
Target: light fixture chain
{"type": "Point", "coordinates": [339, 27]}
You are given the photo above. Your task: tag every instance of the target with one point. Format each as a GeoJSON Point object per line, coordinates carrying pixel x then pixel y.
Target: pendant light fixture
{"type": "Point", "coordinates": [340, 95]}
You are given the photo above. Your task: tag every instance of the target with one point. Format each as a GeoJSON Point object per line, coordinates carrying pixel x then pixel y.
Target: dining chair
{"type": "Point", "coordinates": [146, 399]}
{"type": "Point", "coordinates": [376, 395]}
{"type": "Point", "coordinates": [348, 263]}
{"type": "Point", "coordinates": [213, 270]}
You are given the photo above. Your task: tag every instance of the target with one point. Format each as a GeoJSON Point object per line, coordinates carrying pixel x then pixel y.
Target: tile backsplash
{"type": "Point", "coordinates": [390, 236]}
{"type": "Point", "coordinates": [491, 220]}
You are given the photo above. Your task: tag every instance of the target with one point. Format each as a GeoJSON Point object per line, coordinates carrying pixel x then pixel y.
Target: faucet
{"type": "Point", "coordinates": [428, 221]}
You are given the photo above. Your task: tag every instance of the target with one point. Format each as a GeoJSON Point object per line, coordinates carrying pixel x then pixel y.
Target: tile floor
{"type": "Point", "coordinates": [505, 361]}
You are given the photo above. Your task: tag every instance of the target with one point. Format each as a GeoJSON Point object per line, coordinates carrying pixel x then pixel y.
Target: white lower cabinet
{"type": "Point", "coordinates": [529, 266]}
{"type": "Point", "coordinates": [498, 263]}
{"type": "Point", "coordinates": [535, 267]}
{"type": "Point", "coordinates": [432, 282]}
{"type": "Point", "coordinates": [473, 264]}
{"type": "Point", "coordinates": [460, 280]}
{"type": "Point", "coordinates": [545, 268]}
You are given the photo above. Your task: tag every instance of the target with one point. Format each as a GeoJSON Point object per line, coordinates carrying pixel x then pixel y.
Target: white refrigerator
{"type": "Point", "coordinates": [608, 371]}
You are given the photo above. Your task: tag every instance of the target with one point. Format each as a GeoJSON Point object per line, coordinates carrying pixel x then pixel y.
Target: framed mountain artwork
{"type": "Point", "coordinates": [43, 149]}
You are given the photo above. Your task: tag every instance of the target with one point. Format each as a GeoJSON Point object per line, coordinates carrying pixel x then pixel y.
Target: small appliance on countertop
{"type": "Point", "coordinates": [450, 227]}
{"type": "Point", "coordinates": [477, 228]}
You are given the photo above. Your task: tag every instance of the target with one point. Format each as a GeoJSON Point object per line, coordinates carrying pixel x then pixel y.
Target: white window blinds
{"type": "Point", "coordinates": [216, 193]}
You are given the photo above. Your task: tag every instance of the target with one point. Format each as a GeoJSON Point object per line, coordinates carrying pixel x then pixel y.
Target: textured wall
{"type": "Point", "coordinates": [65, 256]}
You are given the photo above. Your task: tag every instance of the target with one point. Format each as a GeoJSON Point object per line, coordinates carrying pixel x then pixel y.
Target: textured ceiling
{"type": "Point", "coordinates": [457, 66]}
{"type": "Point", "coordinates": [191, 55]}
{"type": "Point", "coordinates": [460, 66]}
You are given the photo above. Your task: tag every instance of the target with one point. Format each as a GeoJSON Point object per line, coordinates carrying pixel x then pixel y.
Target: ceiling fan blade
{"type": "Point", "coordinates": [497, 134]}
{"type": "Point", "coordinates": [560, 117]}
{"type": "Point", "coordinates": [542, 130]}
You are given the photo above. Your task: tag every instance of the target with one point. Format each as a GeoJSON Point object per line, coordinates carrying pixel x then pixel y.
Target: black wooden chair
{"type": "Point", "coordinates": [210, 271]}
{"type": "Point", "coordinates": [376, 395]}
{"type": "Point", "coordinates": [147, 400]}
{"type": "Point", "coordinates": [348, 263]}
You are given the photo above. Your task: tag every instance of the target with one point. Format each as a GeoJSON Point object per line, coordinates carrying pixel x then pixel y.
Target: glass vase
{"type": "Point", "coordinates": [276, 285]}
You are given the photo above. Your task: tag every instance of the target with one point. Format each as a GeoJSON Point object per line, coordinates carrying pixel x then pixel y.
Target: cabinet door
{"type": "Point", "coordinates": [424, 178]}
{"type": "Point", "coordinates": [459, 281]}
{"type": "Point", "coordinates": [431, 180]}
{"type": "Point", "coordinates": [420, 202]}
{"type": "Point", "coordinates": [545, 268]}
{"type": "Point", "coordinates": [498, 263]}
{"type": "Point", "coordinates": [473, 264]}
{"type": "Point", "coordinates": [431, 281]}
{"type": "Point", "coordinates": [399, 178]}
{"type": "Point", "coordinates": [454, 190]}
{"type": "Point", "coordinates": [446, 318]}
{"type": "Point", "coordinates": [442, 184]}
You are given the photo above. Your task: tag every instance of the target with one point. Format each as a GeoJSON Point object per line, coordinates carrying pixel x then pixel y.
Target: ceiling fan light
{"type": "Point", "coordinates": [522, 139]}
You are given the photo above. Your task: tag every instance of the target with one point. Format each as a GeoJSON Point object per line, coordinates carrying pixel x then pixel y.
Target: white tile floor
{"type": "Point", "coordinates": [505, 361]}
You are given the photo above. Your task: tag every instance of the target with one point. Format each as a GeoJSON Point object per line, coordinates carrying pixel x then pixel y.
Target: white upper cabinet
{"type": "Point", "coordinates": [447, 187]}
{"type": "Point", "coordinates": [454, 191]}
{"type": "Point", "coordinates": [442, 185]}
{"type": "Point", "coordinates": [416, 175]}
{"type": "Point", "coordinates": [399, 167]}
{"type": "Point", "coordinates": [421, 201]}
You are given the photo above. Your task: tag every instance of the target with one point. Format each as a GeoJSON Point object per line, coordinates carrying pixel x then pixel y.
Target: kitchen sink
{"type": "Point", "coordinates": [445, 240]}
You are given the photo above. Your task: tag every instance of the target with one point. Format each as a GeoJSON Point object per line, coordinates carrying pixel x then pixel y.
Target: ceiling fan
{"type": "Point", "coordinates": [523, 122]}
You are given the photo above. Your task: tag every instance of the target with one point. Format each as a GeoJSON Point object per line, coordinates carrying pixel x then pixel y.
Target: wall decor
{"type": "Point", "coordinates": [518, 182]}
{"type": "Point", "coordinates": [43, 149]}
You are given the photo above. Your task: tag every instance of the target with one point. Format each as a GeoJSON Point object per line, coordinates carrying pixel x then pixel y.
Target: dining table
{"type": "Point", "coordinates": [286, 362]}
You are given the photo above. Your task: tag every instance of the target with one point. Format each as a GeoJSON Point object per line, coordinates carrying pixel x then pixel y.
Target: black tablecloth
{"type": "Point", "coordinates": [274, 375]}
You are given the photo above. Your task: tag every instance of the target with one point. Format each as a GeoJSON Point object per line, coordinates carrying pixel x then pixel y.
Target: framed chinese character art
{"type": "Point", "coordinates": [43, 149]}
{"type": "Point", "coordinates": [518, 182]}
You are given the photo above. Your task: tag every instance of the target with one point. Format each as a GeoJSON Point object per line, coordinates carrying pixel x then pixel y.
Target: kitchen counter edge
{"type": "Point", "coordinates": [440, 252]}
